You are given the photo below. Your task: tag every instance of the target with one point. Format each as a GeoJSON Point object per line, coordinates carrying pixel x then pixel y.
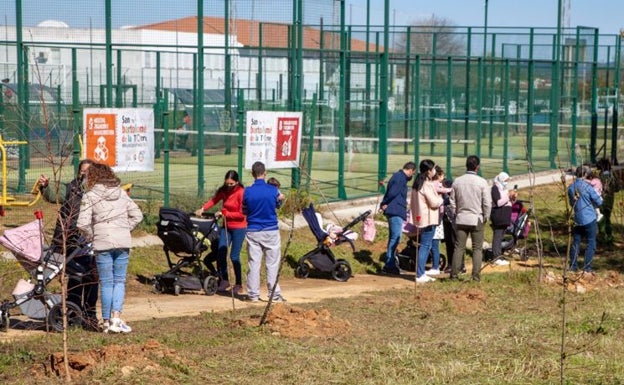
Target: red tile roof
{"type": "Point", "coordinates": [274, 35]}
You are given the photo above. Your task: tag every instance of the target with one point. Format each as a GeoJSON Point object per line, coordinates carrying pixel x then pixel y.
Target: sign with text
{"type": "Point", "coordinates": [122, 138]}
{"type": "Point", "coordinates": [273, 138]}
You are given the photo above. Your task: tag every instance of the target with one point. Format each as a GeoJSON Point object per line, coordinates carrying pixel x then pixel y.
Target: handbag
{"type": "Point", "coordinates": [368, 229]}
{"type": "Point", "coordinates": [408, 225]}
{"type": "Point", "coordinates": [439, 232]}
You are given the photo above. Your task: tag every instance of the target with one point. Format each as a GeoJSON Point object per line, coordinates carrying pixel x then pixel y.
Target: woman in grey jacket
{"type": "Point", "coordinates": [107, 215]}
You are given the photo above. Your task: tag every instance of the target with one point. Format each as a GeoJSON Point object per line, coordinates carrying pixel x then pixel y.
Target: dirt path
{"type": "Point", "coordinates": [140, 305]}
{"type": "Point", "coordinates": [296, 291]}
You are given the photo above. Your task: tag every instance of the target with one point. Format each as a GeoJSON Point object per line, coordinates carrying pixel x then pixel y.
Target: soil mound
{"type": "Point", "coordinates": [296, 322]}
{"type": "Point", "coordinates": [582, 282]}
{"type": "Point", "coordinates": [130, 358]}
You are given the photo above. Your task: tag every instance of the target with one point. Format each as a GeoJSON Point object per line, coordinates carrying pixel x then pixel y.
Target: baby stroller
{"type": "Point", "coordinates": [322, 258]}
{"type": "Point", "coordinates": [188, 239]}
{"type": "Point", "coordinates": [518, 229]}
{"type": "Point", "coordinates": [26, 243]}
{"type": "Point", "coordinates": [407, 257]}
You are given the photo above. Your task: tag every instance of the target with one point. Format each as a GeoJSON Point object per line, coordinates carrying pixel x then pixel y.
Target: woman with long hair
{"type": "Point", "coordinates": [424, 205]}
{"type": "Point", "coordinates": [107, 215]}
{"type": "Point", "coordinates": [233, 233]}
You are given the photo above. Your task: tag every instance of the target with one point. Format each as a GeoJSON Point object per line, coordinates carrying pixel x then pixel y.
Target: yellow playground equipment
{"type": "Point", "coordinates": [5, 199]}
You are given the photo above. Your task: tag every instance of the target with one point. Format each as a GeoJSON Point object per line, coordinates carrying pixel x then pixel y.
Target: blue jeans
{"type": "Point", "coordinates": [233, 238]}
{"type": "Point", "coordinates": [589, 231]}
{"type": "Point", "coordinates": [112, 266]}
{"type": "Point", "coordinates": [395, 229]}
{"type": "Point", "coordinates": [426, 241]}
{"type": "Point", "coordinates": [435, 250]}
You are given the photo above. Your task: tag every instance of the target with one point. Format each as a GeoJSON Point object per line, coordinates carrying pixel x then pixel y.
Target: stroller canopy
{"type": "Point", "coordinates": [310, 216]}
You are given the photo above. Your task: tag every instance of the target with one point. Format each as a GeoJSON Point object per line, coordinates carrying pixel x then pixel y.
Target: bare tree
{"type": "Point", "coordinates": [433, 36]}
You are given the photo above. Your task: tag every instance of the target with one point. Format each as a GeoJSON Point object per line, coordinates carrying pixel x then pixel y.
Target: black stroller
{"type": "Point", "coordinates": [408, 256]}
{"type": "Point", "coordinates": [322, 258]}
{"type": "Point", "coordinates": [188, 239]}
{"type": "Point", "coordinates": [517, 230]}
{"type": "Point", "coordinates": [32, 296]}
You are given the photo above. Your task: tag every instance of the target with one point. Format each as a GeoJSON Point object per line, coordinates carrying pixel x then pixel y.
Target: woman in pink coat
{"type": "Point", "coordinates": [424, 205]}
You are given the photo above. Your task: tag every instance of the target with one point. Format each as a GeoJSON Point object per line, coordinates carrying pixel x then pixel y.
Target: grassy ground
{"type": "Point", "coordinates": [507, 330]}
{"type": "Point", "coordinates": [511, 328]}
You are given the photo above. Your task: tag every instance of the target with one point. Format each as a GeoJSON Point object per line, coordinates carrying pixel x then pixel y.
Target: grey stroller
{"type": "Point", "coordinates": [31, 295]}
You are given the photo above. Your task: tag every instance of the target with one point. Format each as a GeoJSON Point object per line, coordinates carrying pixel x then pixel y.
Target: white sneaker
{"type": "Point", "coordinates": [433, 272]}
{"type": "Point", "coordinates": [425, 279]}
{"type": "Point", "coordinates": [501, 262]}
{"type": "Point", "coordinates": [118, 326]}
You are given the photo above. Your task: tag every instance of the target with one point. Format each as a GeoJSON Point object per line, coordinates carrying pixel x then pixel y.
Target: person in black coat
{"type": "Point", "coordinates": [500, 217]}
{"type": "Point", "coordinates": [448, 223]}
{"type": "Point", "coordinates": [82, 284]}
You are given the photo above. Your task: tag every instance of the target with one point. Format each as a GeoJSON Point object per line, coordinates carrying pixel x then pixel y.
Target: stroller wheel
{"type": "Point", "coordinates": [55, 316]}
{"type": "Point", "coordinates": [341, 271]}
{"type": "Point", "coordinates": [443, 262]}
{"type": "Point", "coordinates": [302, 270]}
{"type": "Point", "coordinates": [158, 287]}
{"type": "Point", "coordinates": [4, 320]}
{"type": "Point", "coordinates": [211, 284]}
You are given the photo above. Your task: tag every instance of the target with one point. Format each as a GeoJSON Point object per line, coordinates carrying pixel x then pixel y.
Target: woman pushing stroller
{"type": "Point", "coordinates": [84, 287]}
{"type": "Point", "coordinates": [232, 233]}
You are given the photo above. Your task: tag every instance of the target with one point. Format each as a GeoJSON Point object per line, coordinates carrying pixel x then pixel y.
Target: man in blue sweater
{"type": "Point", "coordinates": [260, 201]}
{"type": "Point", "coordinates": [394, 207]}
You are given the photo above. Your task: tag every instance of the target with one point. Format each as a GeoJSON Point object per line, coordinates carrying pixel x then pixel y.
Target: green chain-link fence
{"type": "Point", "coordinates": [373, 97]}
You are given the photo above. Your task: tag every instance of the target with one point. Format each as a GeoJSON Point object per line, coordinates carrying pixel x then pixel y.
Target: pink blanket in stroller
{"type": "Point", "coordinates": [25, 243]}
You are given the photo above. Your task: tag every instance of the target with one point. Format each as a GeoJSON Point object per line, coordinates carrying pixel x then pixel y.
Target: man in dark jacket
{"type": "Point", "coordinates": [82, 285]}
{"type": "Point", "coordinates": [394, 207]}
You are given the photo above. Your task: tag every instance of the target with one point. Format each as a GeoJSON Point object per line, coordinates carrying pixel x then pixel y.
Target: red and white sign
{"type": "Point", "coordinates": [273, 138]}
{"type": "Point", "coordinates": [122, 138]}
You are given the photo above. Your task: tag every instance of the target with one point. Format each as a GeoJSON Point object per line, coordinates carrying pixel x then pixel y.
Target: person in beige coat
{"type": "Point", "coordinates": [424, 204]}
{"type": "Point", "coordinates": [107, 215]}
{"type": "Point", "coordinates": [471, 200]}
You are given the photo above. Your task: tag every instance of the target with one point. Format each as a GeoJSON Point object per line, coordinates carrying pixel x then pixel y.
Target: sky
{"type": "Point", "coordinates": [607, 15]}
{"type": "Point", "coordinates": [604, 14]}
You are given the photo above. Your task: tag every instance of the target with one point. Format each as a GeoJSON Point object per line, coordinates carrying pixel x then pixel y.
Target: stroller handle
{"type": "Point", "coordinates": [357, 220]}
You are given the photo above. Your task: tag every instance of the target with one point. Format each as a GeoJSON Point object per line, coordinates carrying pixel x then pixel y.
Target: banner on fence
{"type": "Point", "coordinates": [273, 138]}
{"type": "Point", "coordinates": [122, 138]}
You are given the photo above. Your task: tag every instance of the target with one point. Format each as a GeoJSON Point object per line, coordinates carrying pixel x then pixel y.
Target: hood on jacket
{"type": "Point", "coordinates": [109, 193]}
